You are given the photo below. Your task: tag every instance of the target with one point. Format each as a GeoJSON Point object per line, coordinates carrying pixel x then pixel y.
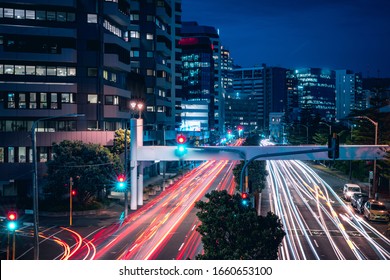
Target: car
{"type": "Point", "coordinates": [360, 203]}
{"type": "Point", "coordinates": [349, 190]}
{"type": "Point", "coordinates": [376, 211]}
{"type": "Point", "coordinates": [355, 198]}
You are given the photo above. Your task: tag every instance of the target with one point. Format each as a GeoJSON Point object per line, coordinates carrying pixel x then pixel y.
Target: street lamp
{"type": "Point", "coordinates": [307, 132]}
{"type": "Point", "coordinates": [330, 127]}
{"type": "Point", "coordinates": [374, 181]}
{"type": "Point", "coordinates": [35, 177]}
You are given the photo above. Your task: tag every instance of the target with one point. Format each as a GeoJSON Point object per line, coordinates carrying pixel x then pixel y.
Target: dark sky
{"type": "Point", "coordinates": [335, 34]}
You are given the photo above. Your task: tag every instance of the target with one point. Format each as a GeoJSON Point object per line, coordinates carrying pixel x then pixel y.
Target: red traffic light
{"type": "Point", "coordinates": [121, 178]}
{"type": "Point", "coordinates": [12, 216]}
{"type": "Point", "coordinates": [244, 195]}
{"type": "Point", "coordinates": [74, 192]}
{"type": "Point", "coordinates": [181, 139]}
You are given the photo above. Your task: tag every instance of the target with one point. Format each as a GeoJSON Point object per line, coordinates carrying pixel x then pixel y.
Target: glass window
{"type": "Point", "coordinates": [71, 17]}
{"type": "Point", "coordinates": [51, 15]}
{"type": "Point", "coordinates": [113, 77]}
{"type": "Point", "coordinates": [1, 154]}
{"type": "Point", "coordinates": [43, 100]}
{"type": "Point", "coordinates": [92, 18]}
{"type": "Point", "coordinates": [61, 16]}
{"type": "Point", "coordinates": [92, 72]}
{"type": "Point", "coordinates": [30, 70]}
{"type": "Point", "coordinates": [1, 69]}
{"type": "Point", "coordinates": [43, 151]}
{"type": "Point", "coordinates": [11, 154]}
{"type": "Point", "coordinates": [149, 54]}
{"type": "Point", "coordinates": [9, 69]}
{"type": "Point", "coordinates": [11, 100]}
{"type": "Point", "coordinates": [71, 71]}
{"type": "Point", "coordinates": [109, 100]}
{"type": "Point", "coordinates": [65, 97]}
{"type": "Point", "coordinates": [8, 13]}
{"type": "Point", "coordinates": [40, 15]}
{"type": "Point", "coordinates": [19, 14]}
{"type": "Point", "coordinates": [105, 74]}
{"type": "Point", "coordinates": [134, 53]}
{"type": "Point", "coordinates": [92, 98]}
{"type": "Point", "coordinates": [1, 12]}
{"type": "Point", "coordinates": [22, 154]}
{"type": "Point", "coordinates": [54, 101]}
{"type": "Point", "coordinates": [30, 14]}
{"type": "Point", "coordinates": [150, 72]}
{"type": "Point", "coordinates": [51, 71]}
{"type": "Point", "coordinates": [22, 100]}
{"type": "Point", "coordinates": [20, 70]}
{"type": "Point", "coordinates": [134, 34]}
{"type": "Point", "coordinates": [61, 71]}
{"type": "Point", "coordinates": [33, 100]}
{"type": "Point", "coordinates": [41, 70]}
{"type": "Point", "coordinates": [149, 36]}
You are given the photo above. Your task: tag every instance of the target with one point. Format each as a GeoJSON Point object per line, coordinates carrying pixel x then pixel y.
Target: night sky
{"type": "Point", "coordinates": [335, 34]}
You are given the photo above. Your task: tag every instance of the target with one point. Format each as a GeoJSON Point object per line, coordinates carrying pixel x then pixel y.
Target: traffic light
{"type": "Point", "coordinates": [74, 192]}
{"type": "Point", "coordinates": [12, 218]}
{"type": "Point", "coordinates": [181, 145]}
{"type": "Point", "coordinates": [121, 182]}
{"type": "Point", "coordinates": [245, 200]}
{"type": "Point", "coordinates": [334, 144]}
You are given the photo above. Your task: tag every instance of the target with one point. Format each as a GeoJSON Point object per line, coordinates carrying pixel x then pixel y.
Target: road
{"type": "Point", "coordinates": [319, 224]}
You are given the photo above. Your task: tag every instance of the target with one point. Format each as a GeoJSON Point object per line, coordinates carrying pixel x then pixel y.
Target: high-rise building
{"type": "Point", "coordinates": [82, 57]}
{"type": "Point", "coordinates": [349, 93]}
{"type": "Point", "coordinates": [154, 31]}
{"type": "Point", "coordinates": [249, 84]}
{"type": "Point", "coordinates": [201, 70]}
{"type": "Point", "coordinates": [316, 91]}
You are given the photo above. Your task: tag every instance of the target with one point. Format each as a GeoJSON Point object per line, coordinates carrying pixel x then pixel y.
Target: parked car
{"type": "Point", "coordinates": [376, 211]}
{"type": "Point", "coordinates": [349, 190]}
{"type": "Point", "coordinates": [355, 198]}
{"type": "Point", "coordinates": [360, 203]}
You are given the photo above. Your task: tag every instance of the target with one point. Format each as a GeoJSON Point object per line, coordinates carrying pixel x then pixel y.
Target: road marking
{"type": "Point", "coordinates": [315, 242]}
{"type": "Point", "coordinates": [182, 244]}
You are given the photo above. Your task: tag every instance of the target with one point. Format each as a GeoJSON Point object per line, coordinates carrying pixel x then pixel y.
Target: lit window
{"type": "Point", "coordinates": [92, 98]}
{"type": "Point", "coordinates": [8, 13]}
{"type": "Point", "coordinates": [9, 69]}
{"type": "Point", "coordinates": [105, 74]}
{"type": "Point", "coordinates": [134, 53]}
{"type": "Point", "coordinates": [30, 70]}
{"type": "Point", "coordinates": [61, 16]}
{"type": "Point", "coordinates": [71, 71]}
{"type": "Point", "coordinates": [113, 77]}
{"type": "Point", "coordinates": [11, 154]}
{"type": "Point", "coordinates": [11, 100]}
{"type": "Point", "coordinates": [92, 18]}
{"type": "Point", "coordinates": [61, 71]}
{"type": "Point", "coordinates": [43, 100]}
{"type": "Point", "coordinates": [1, 154]}
{"type": "Point", "coordinates": [149, 36]}
{"type": "Point", "coordinates": [20, 70]}
{"type": "Point", "coordinates": [134, 34]}
{"type": "Point", "coordinates": [19, 14]}
{"type": "Point", "coordinates": [30, 14]}
{"type": "Point", "coordinates": [1, 69]}
{"type": "Point", "coordinates": [22, 154]}
{"type": "Point", "coordinates": [150, 72]}
{"type": "Point", "coordinates": [51, 71]}
{"type": "Point", "coordinates": [22, 100]}
{"type": "Point", "coordinates": [41, 70]}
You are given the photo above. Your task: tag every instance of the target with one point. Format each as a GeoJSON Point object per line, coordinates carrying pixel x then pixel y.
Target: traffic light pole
{"type": "Point", "coordinates": [126, 192]}
{"type": "Point", "coordinates": [70, 201]}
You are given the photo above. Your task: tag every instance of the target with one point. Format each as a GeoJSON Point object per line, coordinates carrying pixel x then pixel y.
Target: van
{"type": "Point", "coordinates": [349, 190]}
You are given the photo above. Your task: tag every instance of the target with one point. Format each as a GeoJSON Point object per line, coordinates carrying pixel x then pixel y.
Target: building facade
{"type": "Point", "coordinates": [349, 93]}
{"type": "Point", "coordinates": [62, 58]}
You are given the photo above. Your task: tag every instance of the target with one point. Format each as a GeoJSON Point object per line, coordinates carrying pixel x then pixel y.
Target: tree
{"type": "Point", "coordinates": [231, 231]}
{"type": "Point", "coordinates": [92, 168]}
{"type": "Point", "coordinates": [119, 142]}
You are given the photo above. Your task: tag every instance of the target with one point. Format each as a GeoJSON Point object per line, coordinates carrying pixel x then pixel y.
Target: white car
{"type": "Point", "coordinates": [349, 190]}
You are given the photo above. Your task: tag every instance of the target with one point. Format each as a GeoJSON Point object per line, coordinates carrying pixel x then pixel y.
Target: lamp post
{"type": "Point", "coordinates": [134, 126]}
{"type": "Point", "coordinates": [307, 132]}
{"type": "Point", "coordinates": [35, 178]}
{"type": "Point", "coordinates": [374, 180]}
{"type": "Point", "coordinates": [328, 125]}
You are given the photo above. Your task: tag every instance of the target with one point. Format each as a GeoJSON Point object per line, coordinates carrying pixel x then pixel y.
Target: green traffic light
{"type": "Point", "coordinates": [12, 225]}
